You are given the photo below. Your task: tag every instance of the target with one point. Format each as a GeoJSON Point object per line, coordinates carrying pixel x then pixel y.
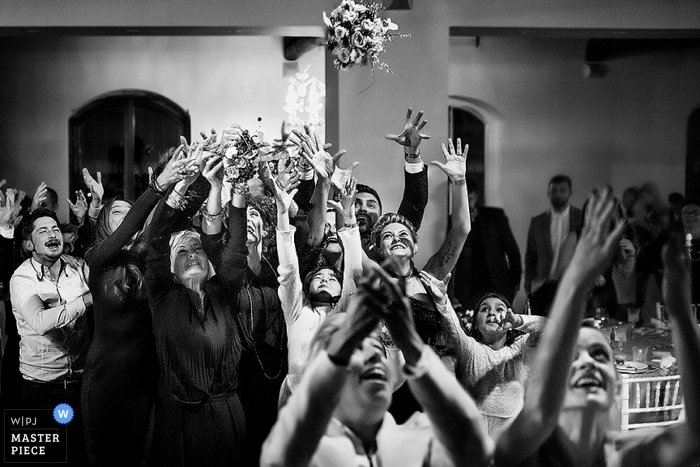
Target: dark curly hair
{"type": "Point", "coordinates": [511, 334]}
{"type": "Point", "coordinates": [391, 218]}
{"type": "Point", "coordinates": [28, 222]}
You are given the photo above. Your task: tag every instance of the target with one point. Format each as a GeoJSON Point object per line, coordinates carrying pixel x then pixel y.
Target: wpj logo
{"type": "Point", "coordinates": [36, 435]}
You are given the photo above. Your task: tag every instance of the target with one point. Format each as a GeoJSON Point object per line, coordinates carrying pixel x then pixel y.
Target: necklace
{"type": "Point", "coordinates": [252, 335]}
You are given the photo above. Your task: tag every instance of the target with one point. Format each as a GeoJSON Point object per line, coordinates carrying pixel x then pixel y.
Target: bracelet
{"type": "Point", "coordinates": [157, 190]}
{"type": "Point", "coordinates": [412, 155]}
{"type": "Point", "coordinates": [419, 368]}
{"type": "Point", "coordinates": [176, 202]}
{"type": "Point", "coordinates": [459, 182]}
{"type": "Point", "coordinates": [212, 217]}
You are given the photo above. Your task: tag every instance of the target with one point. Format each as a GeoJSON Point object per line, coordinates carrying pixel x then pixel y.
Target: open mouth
{"type": "Point", "coordinates": [374, 373]}
{"type": "Point", "coordinates": [362, 218]}
{"type": "Point", "coordinates": [52, 244]}
{"type": "Point", "coordinates": [398, 246]}
{"type": "Point", "coordinates": [332, 238]}
{"type": "Point", "coordinates": [589, 380]}
{"type": "Point", "coordinates": [192, 264]}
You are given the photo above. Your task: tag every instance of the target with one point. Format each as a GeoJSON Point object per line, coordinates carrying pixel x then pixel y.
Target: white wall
{"type": "Point", "coordinates": [219, 80]}
{"type": "Point", "coordinates": [624, 129]}
{"type": "Point", "coordinates": [420, 78]}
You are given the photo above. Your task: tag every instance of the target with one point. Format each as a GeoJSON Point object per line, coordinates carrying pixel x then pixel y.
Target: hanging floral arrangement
{"type": "Point", "coordinates": [357, 35]}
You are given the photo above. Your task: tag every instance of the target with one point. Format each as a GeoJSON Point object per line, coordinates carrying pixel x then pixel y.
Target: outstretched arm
{"type": "Point", "coordinates": [455, 167]}
{"type": "Point", "coordinates": [303, 421]}
{"type": "Point", "coordinates": [349, 235]}
{"type": "Point", "coordinates": [134, 220]}
{"type": "Point", "coordinates": [324, 165]}
{"type": "Point", "coordinates": [679, 445]}
{"type": "Point", "coordinates": [453, 413]}
{"type": "Point", "coordinates": [548, 380]}
{"type": "Point", "coordinates": [415, 195]}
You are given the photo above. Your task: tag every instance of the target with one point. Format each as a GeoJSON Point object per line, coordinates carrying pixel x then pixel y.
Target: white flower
{"type": "Point", "coordinates": [353, 56]}
{"type": "Point", "coordinates": [367, 25]}
{"type": "Point", "coordinates": [232, 172]}
{"type": "Point", "coordinates": [390, 26]}
{"type": "Point", "coordinates": [349, 16]}
{"type": "Point", "coordinates": [327, 20]}
{"type": "Point", "coordinates": [231, 152]}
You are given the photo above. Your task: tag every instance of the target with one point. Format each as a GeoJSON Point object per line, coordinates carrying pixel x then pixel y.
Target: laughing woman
{"type": "Point", "coordinates": [393, 235]}
{"type": "Point", "coordinates": [566, 418]}
{"type": "Point", "coordinates": [119, 383]}
{"type": "Point", "coordinates": [200, 420]}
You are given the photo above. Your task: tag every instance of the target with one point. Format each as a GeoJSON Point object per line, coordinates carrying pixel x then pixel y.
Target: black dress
{"type": "Point", "coordinates": [119, 383]}
{"type": "Point", "coordinates": [200, 419]}
{"type": "Point", "coordinates": [263, 364]}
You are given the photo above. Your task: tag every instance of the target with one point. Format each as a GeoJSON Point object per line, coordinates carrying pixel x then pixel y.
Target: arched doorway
{"type": "Point", "coordinates": [692, 156]}
{"type": "Point", "coordinates": [121, 134]}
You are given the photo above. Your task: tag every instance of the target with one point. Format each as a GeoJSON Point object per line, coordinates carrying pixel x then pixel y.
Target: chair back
{"type": "Point", "coordinates": [655, 401]}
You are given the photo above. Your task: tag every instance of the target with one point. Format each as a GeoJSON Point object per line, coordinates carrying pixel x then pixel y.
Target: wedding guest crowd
{"type": "Point", "coordinates": [266, 310]}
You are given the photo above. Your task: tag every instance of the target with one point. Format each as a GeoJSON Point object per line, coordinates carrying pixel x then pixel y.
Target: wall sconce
{"type": "Point", "coordinates": [304, 102]}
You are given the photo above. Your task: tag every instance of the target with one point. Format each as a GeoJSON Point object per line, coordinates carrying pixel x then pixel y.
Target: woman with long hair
{"type": "Point", "coordinates": [489, 362]}
{"type": "Point", "coordinates": [119, 382]}
{"type": "Point", "coordinates": [394, 235]}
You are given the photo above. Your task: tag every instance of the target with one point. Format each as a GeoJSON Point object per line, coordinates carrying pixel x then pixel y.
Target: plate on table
{"type": "Point", "coordinates": [632, 367]}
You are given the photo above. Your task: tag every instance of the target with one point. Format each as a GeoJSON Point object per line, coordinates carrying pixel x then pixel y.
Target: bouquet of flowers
{"type": "Point", "coordinates": [356, 34]}
{"type": "Point", "coordinates": [242, 153]}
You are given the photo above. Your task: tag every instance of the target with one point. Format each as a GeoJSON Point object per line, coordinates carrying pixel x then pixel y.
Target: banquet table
{"type": "Point", "coordinates": [653, 343]}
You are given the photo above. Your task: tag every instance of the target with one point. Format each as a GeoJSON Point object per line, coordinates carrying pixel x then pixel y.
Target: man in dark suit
{"type": "Point", "coordinates": [490, 259]}
{"type": "Point", "coordinates": [551, 240]}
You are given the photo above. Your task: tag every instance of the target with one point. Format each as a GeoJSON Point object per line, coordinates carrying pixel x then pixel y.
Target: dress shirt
{"type": "Point", "coordinates": [558, 229]}
{"type": "Point", "coordinates": [50, 314]}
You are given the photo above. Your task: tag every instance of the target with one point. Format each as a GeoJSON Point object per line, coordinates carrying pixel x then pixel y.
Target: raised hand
{"type": "Point", "coordinates": [7, 209]}
{"type": "Point", "coordinates": [511, 320]}
{"type": "Point", "coordinates": [210, 142]}
{"type": "Point", "coordinates": [346, 206]}
{"type": "Point", "coordinates": [436, 287]}
{"type": "Point", "coordinates": [340, 176]}
{"type": "Point", "coordinates": [80, 207]}
{"type": "Point", "coordinates": [411, 136]}
{"type": "Point", "coordinates": [97, 191]}
{"type": "Point", "coordinates": [39, 196]}
{"type": "Point", "coordinates": [455, 166]}
{"type": "Point", "coordinates": [284, 199]}
{"type": "Point", "coordinates": [288, 176]}
{"type": "Point", "coordinates": [173, 170]}
{"type": "Point", "coordinates": [213, 172]}
{"type": "Point", "coordinates": [598, 242]}
{"type": "Point", "coordinates": [315, 153]}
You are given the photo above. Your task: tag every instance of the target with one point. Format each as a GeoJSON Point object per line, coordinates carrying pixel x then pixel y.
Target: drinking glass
{"type": "Point", "coordinates": [620, 335]}
{"type": "Point", "coordinates": [639, 354]}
